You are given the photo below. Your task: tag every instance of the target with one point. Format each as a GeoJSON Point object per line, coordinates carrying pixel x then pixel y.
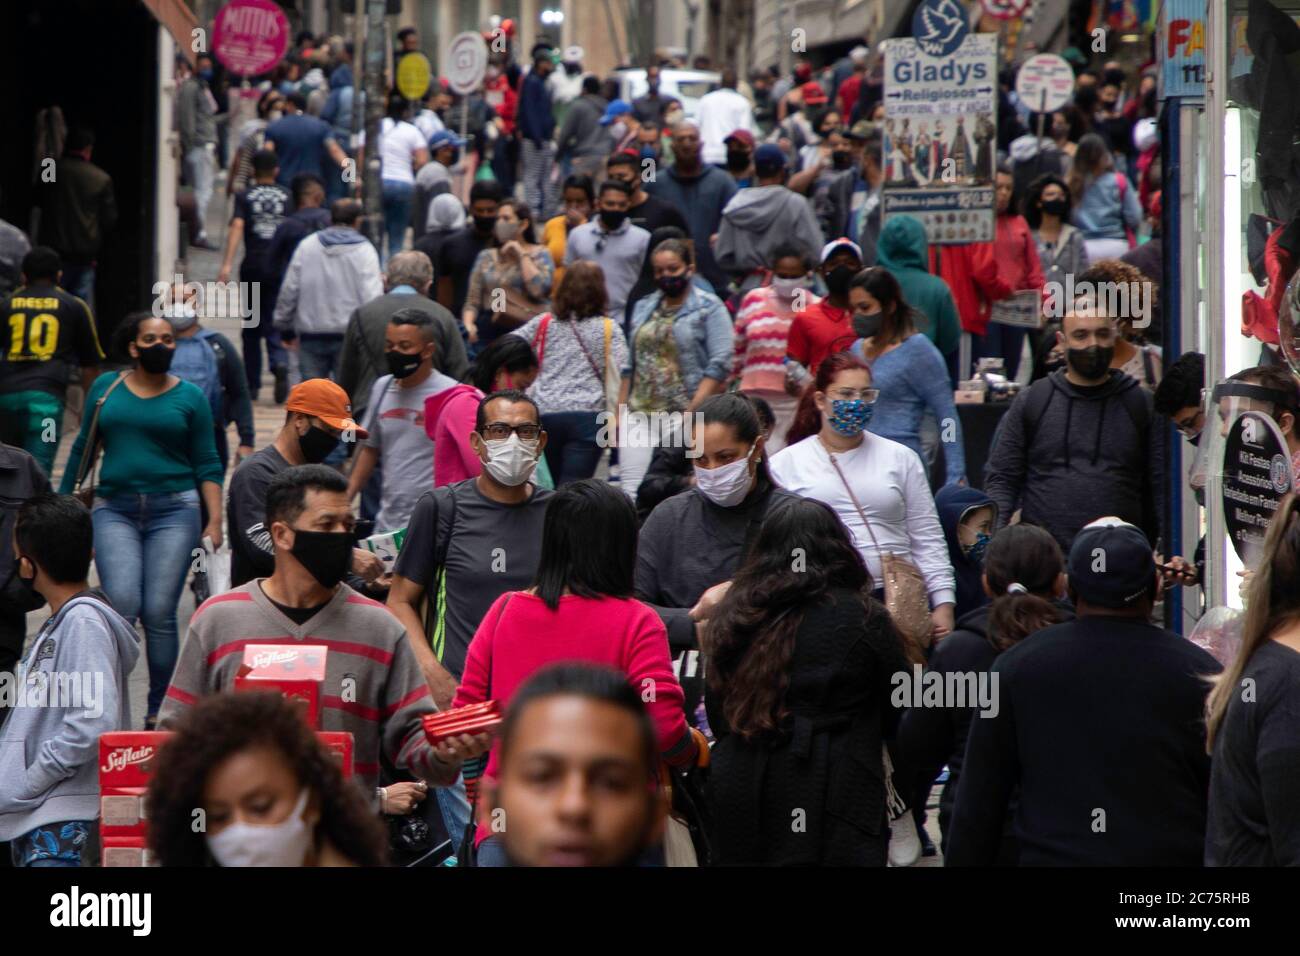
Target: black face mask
{"type": "Point", "coordinates": [326, 555]}
{"type": "Point", "coordinates": [612, 219]}
{"type": "Point", "coordinates": [673, 285]}
{"type": "Point", "coordinates": [316, 445]}
{"type": "Point", "coordinates": [402, 364]}
{"type": "Point", "coordinates": [1055, 207]}
{"type": "Point", "coordinates": [866, 325]}
{"type": "Point", "coordinates": [156, 358]}
{"type": "Point", "coordinates": [841, 160]}
{"type": "Point", "coordinates": [1091, 362]}
{"type": "Point", "coordinates": [838, 279]}
{"type": "Point", "coordinates": [28, 583]}
{"type": "Point", "coordinates": [485, 225]}
{"type": "Point", "coordinates": [737, 160]}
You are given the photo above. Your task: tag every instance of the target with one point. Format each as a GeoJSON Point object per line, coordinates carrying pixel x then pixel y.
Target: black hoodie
{"type": "Point", "coordinates": [1066, 455]}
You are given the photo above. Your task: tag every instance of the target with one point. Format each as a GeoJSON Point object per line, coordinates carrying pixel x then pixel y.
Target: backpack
{"type": "Point", "coordinates": [198, 360]}
{"type": "Point", "coordinates": [1134, 402]}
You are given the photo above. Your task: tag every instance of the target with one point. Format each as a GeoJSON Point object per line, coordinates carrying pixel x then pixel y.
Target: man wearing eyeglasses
{"type": "Point", "coordinates": [470, 542]}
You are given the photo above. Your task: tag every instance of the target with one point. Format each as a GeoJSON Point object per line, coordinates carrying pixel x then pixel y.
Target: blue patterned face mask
{"type": "Point", "coordinates": [850, 416]}
{"type": "Point", "coordinates": [975, 551]}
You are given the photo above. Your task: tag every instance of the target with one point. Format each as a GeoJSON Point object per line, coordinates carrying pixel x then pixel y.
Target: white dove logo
{"type": "Point", "coordinates": [941, 28]}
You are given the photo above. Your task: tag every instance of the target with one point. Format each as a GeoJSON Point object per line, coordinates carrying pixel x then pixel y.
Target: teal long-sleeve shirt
{"type": "Point", "coordinates": [151, 445]}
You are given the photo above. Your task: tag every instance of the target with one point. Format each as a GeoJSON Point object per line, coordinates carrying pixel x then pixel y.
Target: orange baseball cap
{"type": "Point", "coordinates": [325, 400]}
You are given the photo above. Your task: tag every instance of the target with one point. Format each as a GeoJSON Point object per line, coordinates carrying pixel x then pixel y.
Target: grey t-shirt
{"type": "Point", "coordinates": [395, 421]}
{"type": "Point", "coordinates": [493, 548]}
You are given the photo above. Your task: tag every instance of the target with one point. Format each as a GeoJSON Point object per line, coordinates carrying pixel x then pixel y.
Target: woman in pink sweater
{"type": "Point", "coordinates": [449, 415]}
{"type": "Point", "coordinates": [579, 609]}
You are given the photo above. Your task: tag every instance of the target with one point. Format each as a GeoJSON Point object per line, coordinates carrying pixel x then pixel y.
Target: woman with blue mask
{"type": "Point", "coordinates": [907, 370]}
{"type": "Point", "coordinates": [877, 486]}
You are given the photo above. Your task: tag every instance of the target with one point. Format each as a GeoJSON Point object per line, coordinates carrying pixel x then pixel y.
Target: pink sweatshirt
{"type": "Point", "coordinates": [520, 635]}
{"type": "Point", "coordinates": [449, 421]}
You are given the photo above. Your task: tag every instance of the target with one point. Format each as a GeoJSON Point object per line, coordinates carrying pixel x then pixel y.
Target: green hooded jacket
{"type": "Point", "coordinates": [904, 251]}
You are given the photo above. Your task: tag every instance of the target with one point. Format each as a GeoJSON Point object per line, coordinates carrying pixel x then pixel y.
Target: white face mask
{"type": "Point", "coordinates": [275, 844]}
{"type": "Point", "coordinates": [619, 130]}
{"type": "Point", "coordinates": [786, 288]}
{"type": "Point", "coordinates": [182, 315]}
{"type": "Point", "coordinates": [511, 460]}
{"type": "Point", "coordinates": [727, 485]}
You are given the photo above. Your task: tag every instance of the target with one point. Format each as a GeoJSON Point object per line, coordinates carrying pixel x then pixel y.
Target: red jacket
{"type": "Point", "coordinates": [501, 96]}
{"type": "Point", "coordinates": [1017, 254]}
{"type": "Point", "coordinates": [971, 272]}
{"type": "Point", "coordinates": [1259, 315]}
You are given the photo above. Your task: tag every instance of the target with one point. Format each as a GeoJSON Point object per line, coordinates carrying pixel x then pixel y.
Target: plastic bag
{"type": "Point", "coordinates": [1219, 632]}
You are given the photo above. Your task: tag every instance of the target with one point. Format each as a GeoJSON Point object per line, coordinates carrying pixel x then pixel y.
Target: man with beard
{"type": "Point", "coordinates": [699, 192]}
{"type": "Point", "coordinates": [1081, 443]}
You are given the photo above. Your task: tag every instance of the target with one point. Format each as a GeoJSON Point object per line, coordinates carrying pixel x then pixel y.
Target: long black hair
{"type": "Point", "coordinates": [900, 321]}
{"type": "Point", "coordinates": [802, 552]}
{"type": "Point", "coordinates": [588, 543]}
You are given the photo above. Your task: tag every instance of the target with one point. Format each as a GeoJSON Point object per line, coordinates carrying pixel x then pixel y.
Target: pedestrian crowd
{"type": "Point", "coordinates": [638, 421]}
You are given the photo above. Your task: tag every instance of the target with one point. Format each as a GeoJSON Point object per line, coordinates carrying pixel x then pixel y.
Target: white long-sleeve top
{"type": "Point", "coordinates": [890, 484]}
{"type": "Point", "coordinates": [332, 273]}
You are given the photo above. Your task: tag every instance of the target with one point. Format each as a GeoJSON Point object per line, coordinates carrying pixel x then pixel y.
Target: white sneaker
{"type": "Point", "coordinates": [904, 844]}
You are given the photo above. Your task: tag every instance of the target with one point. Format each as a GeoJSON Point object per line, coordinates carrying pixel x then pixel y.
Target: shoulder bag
{"type": "Point", "coordinates": [85, 486]}
{"type": "Point", "coordinates": [906, 597]}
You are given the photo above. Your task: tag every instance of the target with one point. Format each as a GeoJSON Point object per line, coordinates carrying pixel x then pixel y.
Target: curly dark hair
{"type": "Point", "coordinates": [749, 642]}
{"type": "Point", "coordinates": [224, 724]}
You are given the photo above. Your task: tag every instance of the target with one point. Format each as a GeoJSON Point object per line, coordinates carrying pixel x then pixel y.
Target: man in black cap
{"type": "Point", "coordinates": [1100, 725]}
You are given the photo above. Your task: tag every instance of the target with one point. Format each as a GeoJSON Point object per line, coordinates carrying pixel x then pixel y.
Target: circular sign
{"type": "Point", "coordinates": [1045, 83]}
{"type": "Point", "coordinates": [939, 27]}
{"type": "Point", "coordinates": [467, 61]}
{"type": "Point", "coordinates": [1256, 475]}
{"type": "Point", "coordinates": [250, 36]}
{"type": "Point", "coordinates": [1005, 9]}
{"type": "Point", "coordinates": [413, 76]}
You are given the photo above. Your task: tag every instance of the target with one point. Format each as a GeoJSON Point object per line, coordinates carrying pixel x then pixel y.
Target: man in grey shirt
{"type": "Point", "coordinates": [613, 243]}
{"type": "Point", "coordinates": [395, 420]}
{"type": "Point", "coordinates": [196, 110]}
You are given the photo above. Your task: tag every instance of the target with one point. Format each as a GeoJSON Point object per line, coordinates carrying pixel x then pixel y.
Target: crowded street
{"type": "Point", "coordinates": [729, 434]}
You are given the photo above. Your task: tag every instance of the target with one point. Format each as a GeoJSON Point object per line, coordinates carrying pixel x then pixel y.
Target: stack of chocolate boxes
{"type": "Point", "coordinates": [126, 758]}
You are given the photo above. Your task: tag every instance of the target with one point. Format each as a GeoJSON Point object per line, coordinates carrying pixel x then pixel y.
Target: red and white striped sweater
{"type": "Point", "coordinates": [373, 687]}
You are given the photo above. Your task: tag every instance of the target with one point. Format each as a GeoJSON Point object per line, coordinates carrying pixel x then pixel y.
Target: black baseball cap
{"type": "Point", "coordinates": [1111, 563]}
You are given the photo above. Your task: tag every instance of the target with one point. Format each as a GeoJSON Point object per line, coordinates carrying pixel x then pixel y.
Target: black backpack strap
{"type": "Point", "coordinates": [1037, 399]}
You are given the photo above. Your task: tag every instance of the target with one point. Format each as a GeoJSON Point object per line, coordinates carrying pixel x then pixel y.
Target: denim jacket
{"type": "Point", "coordinates": [1105, 210]}
{"type": "Point", "coordinates": [702, 328]}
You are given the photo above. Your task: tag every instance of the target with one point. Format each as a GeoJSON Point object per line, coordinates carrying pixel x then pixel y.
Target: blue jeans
{"type": "Point", "coordinates": [571, 450]}
{"type": "Point", "coordinates": [54, 844]}
{"type": "Point", "coordinates": [397, 199]}
{"type": "Point", "coordinates": [318, 354]}
{"type": "Point", "coordinates": [80, 281]}
{"type": "Point", "coordinates": [143, 548]}
{"type": "Point", "coordinates": [999, 341]}
{"type": "Point", "coordinates": [454, 806]}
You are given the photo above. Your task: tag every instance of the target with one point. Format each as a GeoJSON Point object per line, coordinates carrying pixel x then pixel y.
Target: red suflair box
{"type": "Point", "coordinates": [340, 745]}
{"type": "Point", "coordinates": [126, 762]}
{"type": "Point", "coordinates": [479, 718]}
{"type": "Point", "coordinates": [296, 670]}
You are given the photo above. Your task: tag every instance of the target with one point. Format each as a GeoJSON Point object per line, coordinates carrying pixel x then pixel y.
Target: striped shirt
{"type": "Point", "coordinates": [762, 333]}
{"type": "Point", "coordinates": [373, 688]}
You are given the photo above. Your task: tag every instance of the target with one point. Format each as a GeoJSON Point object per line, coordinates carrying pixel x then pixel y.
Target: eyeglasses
{"type": "Point", "coordinates": [868, 395]}
{"type": "Point", "coordinates": [497, 431]}
{"type": "Point", "coordinates": [1192, 426]}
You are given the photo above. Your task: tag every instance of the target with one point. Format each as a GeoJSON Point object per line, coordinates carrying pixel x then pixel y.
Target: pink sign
{"type": "Point", "coordinates": [250, 36]}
